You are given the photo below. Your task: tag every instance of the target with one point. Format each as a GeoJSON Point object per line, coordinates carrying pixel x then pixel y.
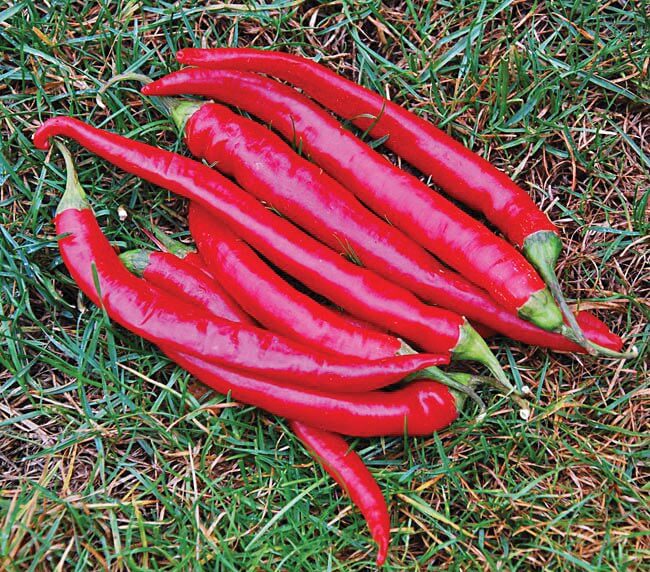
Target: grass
{"type": "Point", "coordinates": [109, 458]}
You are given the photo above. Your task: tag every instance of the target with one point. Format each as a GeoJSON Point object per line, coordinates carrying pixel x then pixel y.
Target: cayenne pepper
{"type": "Point", "coordinates": [360, 292]}
{"type": "Point", "coordinates": [176, 325]}
{"type": "Point", "coordinates": [322, 137]}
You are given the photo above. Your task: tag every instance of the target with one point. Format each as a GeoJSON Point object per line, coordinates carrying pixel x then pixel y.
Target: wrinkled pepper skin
{"type": "Point", "coordinates": [165, 320]}
{"type": "Point", "coordinates": [348, 470]}
{"type": "Point", "coordinates": [360, 292]}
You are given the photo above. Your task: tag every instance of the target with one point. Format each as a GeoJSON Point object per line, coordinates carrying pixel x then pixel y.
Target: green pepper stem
{"type": "Point", "coordinates": [606, 352]}
{"type": "Point", "coordinates": [522, 404]}
{"type": "Point", "coordinates": [136, 261]}
{"type": "Point", "coordinates": [74, 196]}
{"type": "Point", "coordinates": [167, 243]}
{"type": "Point", "coordinates": [472, 346]}
{"type": "Point", "coordinates": [461, 385]}
{"type": "Point", "coordinates": [541, 310]}
{"type": "Point", "coordinates": [180, 110]}
{"type": "Point", "coordinates": [542, 249]}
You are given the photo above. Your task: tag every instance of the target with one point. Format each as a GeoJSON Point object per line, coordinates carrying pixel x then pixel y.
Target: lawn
{"type": "Point", "coordinates": [113, 459]}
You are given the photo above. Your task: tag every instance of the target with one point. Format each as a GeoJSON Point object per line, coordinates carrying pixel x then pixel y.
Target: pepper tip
{"type": "Point", "coordinates": [41, 139]}
{"type": "Point", "coordinates": [382, 553]}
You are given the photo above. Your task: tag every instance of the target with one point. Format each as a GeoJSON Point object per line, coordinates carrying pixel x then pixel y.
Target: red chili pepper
{"type": "Point", "coordinates": [267, 297]}
{"type": "Point", "coordinates": [359, 291]}
{"type": "Point", "coordinates": [280, 308]}
{"type": "Point", "coordinates": [348, 470]}
{"type": "Point", "coordinates": [460, 172]}
{"type": "Point", "coordinates": [320, 136]}
{"type": "Point", "coordinates": [420, 408]}
{"type": "Point", "coordinates": [594, 329]}
{"type": "Point", "coordinates": [273, 302]}
{"type": "Point", "coordinates": [266, 167]}
{"type": "Point", "coordinates": [427, 217]}
{"type": "Point", "coordinates": [185, 280]}
{"type": "Point", "coordinates": [598, 332]}
{"type": "Point", "coordinates": [166, 269]}
{"type": "Point", "coordinates": [175, 324]}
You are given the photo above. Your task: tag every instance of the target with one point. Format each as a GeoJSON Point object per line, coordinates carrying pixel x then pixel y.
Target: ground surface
{"type": "Point", "coordinates": [107, 461]}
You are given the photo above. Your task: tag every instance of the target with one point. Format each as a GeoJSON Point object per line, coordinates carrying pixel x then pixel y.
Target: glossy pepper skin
{"type": "Point", "coordinates": [420, 408]}
{"type": "Point", "coordinates": [348, 470]}
{"type": "Point", "coordinates": [185, 280]}
{"type": "Point", "coordinates": [269, 169]}
{"type": "Point", "coordinates": [438, 225]}
{"type": "Point", "coordinates": [598, 332]}
{"type": "Point", "coordinates": [360, 292]}
{"type": "Point", "coordinates": [273, 302]}
{"type": "Point", "coordinates": [175, 324]}
{"type": "Point", "coordinates": [595, 330]}
{"type": "Point", "coordinates": [322, 138]}
{"type": "Point", "coordinates": [460, 172]}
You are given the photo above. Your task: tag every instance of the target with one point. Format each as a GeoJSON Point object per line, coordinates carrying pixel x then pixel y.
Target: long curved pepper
{"type": "Point", "coordinates": [348, 470]}
{"type": "Point", "coordinates": [267, 167]}
{"type": "Point", "coordinates": [360, 292]}
{"type": "Point", "coordinates": [362, 170]}
{"type": "Point", "coordinates": [275, 304]}
{"type": "Point", "coordinates": [455, 168]}
{"type": "Point", "coordinates": [272, 301]}
{"type": "Point", "coordinates": [461, 173]}
{"type": "Point", "coordinates": [164, 320]}
{"type": "Point", "coordinates": [420, 408]}
{"type": "Point", "coordinates": [186, 279]}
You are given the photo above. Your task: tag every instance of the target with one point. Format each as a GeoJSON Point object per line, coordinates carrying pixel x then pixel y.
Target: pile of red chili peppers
{"type": "Point", "coordinates": [399, 265]}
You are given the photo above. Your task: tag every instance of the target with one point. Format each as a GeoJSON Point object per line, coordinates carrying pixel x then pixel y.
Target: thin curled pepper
{"type": "Point", "coordinates": [359, 291]}
{"type": "Point", "coordinates": [348, 470]}
{"type": "Point", "coordinates": [175, 324]}
{"type": "Point", "coordinates": [321, 137]}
